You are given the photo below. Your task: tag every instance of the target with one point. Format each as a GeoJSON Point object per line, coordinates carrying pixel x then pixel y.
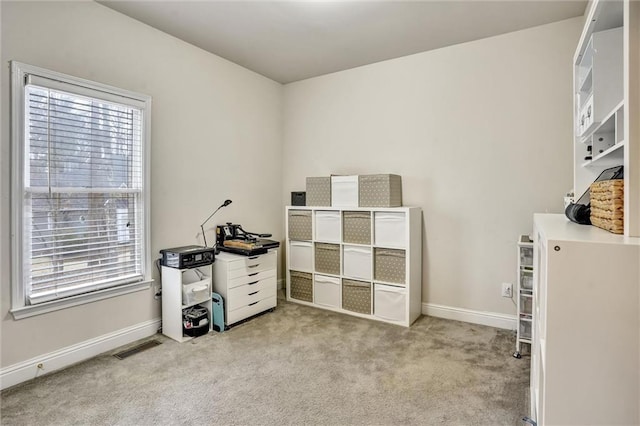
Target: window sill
{"type": "Point", "coordinates": [81, 299]}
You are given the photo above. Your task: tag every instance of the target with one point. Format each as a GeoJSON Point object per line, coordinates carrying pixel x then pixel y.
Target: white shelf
{"type": "Point", "coordinates": [607, 125]}
{"type": "Point", "coordinates": [599, 94]}
{"type": "Point", "coordinates": [173, 281]}
{"type": "Point", "coordinates": [613, 156]}
{"type": "Point", "coordinates": [396, 229]}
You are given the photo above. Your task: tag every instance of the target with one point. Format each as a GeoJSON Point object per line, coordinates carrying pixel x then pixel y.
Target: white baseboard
{"type": "Point", "coordinates": [491, 319]}
{"type": "Point", "coordinates": [27, 370]}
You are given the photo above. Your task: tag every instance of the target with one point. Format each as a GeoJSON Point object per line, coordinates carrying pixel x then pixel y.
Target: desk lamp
{"type": "Point", "coordinates": [225, 204]}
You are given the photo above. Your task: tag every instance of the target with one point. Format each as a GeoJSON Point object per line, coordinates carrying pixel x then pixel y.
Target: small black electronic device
{"type": "Point", "coordinates": [299, 198]}
{"type": "Point", "coordinates": [233, 239]}
{"type": "Point", "coordinates": [580, 211]}
{"type": "Point", "coordinates": [188, 256]}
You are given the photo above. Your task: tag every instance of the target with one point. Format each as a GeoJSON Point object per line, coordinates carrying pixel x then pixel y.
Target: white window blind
{"type": "Point", "coordinates": [83, 190]}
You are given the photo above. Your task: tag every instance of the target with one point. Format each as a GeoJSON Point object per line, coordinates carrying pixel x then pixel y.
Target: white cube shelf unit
{"type": "Point", "coordinates": [376, 254]}
{"type": "Point", "coordinates": [182, 289]}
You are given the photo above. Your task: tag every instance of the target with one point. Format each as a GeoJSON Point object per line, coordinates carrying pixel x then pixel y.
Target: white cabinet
{"type": "Point", "coordinates": [606, 101]}
{"type": "Point", "coordinates": [585, 364]}
{"type": "Point", "coordinates": [524, 293]}
{"type": "Point", "coordinates": [599, 76]}
{"type": "Point", "coordinates": [247, 284]}
{"type": "Point", "coordinates": [377, 261]}
{"type": "Point", "coordinates": [181, 290]}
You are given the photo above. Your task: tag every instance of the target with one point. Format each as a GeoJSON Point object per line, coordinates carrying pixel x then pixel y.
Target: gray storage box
{"type": "Point", "coordinates": [356, 227]}
{"type": "Point", "coordinates": [319, 191]}
{"type": "Point", "coordinates": [327, 258]}
{"type": "Point", "coordinates": [301, 286]}
{"type": "Point", "coordinates": [356, 296]}
{"type": "Point", "coordinates": [380, 191]}
{"type": "Point", "coordinates": [300, 225]}
{"type": "Point", "coordinates": [389, 265]}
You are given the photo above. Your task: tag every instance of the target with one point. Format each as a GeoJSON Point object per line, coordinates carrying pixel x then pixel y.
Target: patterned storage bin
{"type": "Point", "coordinates": [327, 258]}
{"type": "Point", "coordinates": [301, 286]}
{"type": "Point", "coordinates": [389, 265]}
{"type": "Point", "coordinates": [380, 191]}
{"type": "Point", "coordinates": [318, 191]}
{"type": "Point", "coordinates": [300, 224]}
{"type": "Point", "coordinates": [356, 296]}
{"type": "Point", "coordinates": [356, 227]}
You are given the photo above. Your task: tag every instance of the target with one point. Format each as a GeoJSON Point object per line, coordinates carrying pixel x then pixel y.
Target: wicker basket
{"type": "Point", "coordinates": [607, 205]}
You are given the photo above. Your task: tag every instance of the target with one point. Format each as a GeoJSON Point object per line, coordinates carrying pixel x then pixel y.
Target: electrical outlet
{"type": "Point", "coordinates": [507, 290]}
{"type": "Point", "coordinates": [157, 292]}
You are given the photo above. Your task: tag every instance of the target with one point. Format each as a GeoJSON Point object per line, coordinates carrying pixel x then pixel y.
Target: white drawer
{"type": "Point", "coordinates": [357, 262]}
{"type": "Point", "coordinates": [301, 255]}
{"type": "Point", "coordinates": [252, 277]}
{"type": "Point", "coordinates": [246, 261]}
{"type": "Point", "coordinates": [249, 293]}
{"type": "Point", "coordinates": [389, 229]}
{"type": "Point", "coordinates": [326, 291]}
{"type": "Point", "coordinates": [390, 303]}
{"type": "Point", "coordinates": [327, 226]}
{"type": "Point", "coordinates": [252, 309]}
{"type": "Point", "coordinates": [251, 265]}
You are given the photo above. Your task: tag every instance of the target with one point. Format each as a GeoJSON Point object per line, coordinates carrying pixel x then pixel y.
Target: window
{"type": "Point", "coordinates": [80, 190]}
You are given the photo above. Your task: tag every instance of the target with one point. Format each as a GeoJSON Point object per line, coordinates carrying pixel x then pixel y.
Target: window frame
{"type": "Point", "coordinates": [19, 307]}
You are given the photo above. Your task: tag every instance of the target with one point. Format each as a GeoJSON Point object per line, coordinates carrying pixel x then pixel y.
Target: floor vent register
{"type": "Point", "coordinates": [137, 349]}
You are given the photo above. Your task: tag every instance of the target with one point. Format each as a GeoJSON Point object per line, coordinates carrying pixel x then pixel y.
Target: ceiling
{"type": "Point", "coordinates": [293, 40]}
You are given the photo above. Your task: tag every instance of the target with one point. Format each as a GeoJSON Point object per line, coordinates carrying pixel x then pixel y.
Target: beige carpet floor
{"type": "Point", "coordinates": [295, 366]}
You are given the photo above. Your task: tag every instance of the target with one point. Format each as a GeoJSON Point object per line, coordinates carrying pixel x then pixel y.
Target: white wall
{"type": "Point", "coordinates": [216, 134]}
{"type": "Point", "coordinates": [480, 132]}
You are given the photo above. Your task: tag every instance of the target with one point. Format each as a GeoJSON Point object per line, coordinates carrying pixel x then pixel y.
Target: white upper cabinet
{"type": "Point", "coordinates": [606, 108]}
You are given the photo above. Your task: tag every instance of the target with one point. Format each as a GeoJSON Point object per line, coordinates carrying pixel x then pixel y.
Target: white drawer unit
{"type": "Point", "coordinates": [386, 241]}
{"type": "Point", "coordinates": [524, 294]}
{"type": "Point", "coordinates": [247, 284]}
